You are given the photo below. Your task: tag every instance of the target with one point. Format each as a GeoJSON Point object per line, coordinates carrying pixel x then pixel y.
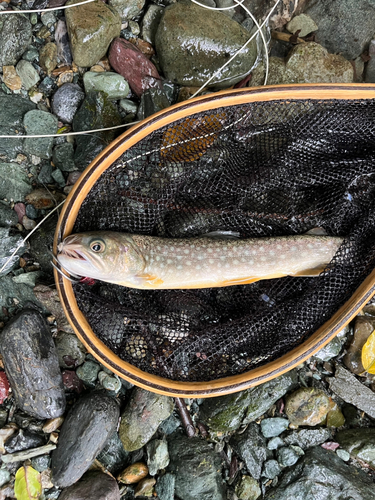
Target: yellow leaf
{"type": "Point", "coordinates": [368, 354]}
{"type": "Point", "coordinates": [28, 485]}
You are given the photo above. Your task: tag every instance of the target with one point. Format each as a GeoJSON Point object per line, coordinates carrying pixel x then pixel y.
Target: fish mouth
{"type": "Point", "coordinates": [71, 252]}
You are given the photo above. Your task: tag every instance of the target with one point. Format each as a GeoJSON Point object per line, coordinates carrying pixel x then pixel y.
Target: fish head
{"type": "Point", "coordinates": [100, 255]}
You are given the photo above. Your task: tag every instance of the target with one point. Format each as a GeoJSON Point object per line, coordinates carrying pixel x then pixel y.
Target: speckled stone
{"type": "Point", "coordinates": [66, 101]}
{"type": "Point", "coordinates": [28, 74]}
{"type": "Point", "coordinates": [39, 122]}
{"type": "Point", "coordinates": [15, 36]}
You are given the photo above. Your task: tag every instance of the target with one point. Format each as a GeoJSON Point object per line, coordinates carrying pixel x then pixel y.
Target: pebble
{"type": "Point", "coordinates": [127, 9]}
{"type": "Point", "coordinates": [150, 23]}
{"type": "Point", "coordinates": [251, 448]}
{"type": "Point", "coordinates": [287, 456]}
{"type": "Point", "coordinates": [333, 348]}
{"type": "Point", "coordinates": [28, 74]}
{"type": "Point", "coordinates": [16, 36]}
{"type": "Point", "coordinates": [88, 372]}
{"type": "Point", "coordinates": [158, 457]}
{"type": "Point", "coordinates": [128, 106]}
{"type": "Point", "coordinates": [31, 55]}
{"type": "Point", "coordinates": [48, 57]}
{"type": "Point", "coordinates": [115, 86]}
{"type": "Point", "coordinates": [58, 177]}
{"type": "Point", "coordinates": [15, 184]}
{"type": "Point", "coordinates": [64, 54]}
{"type": "Point", "coordinates": [41, 463]}
{"type": "Point", "coordinates": [4, 477]}
{"type": "Point", "coordinates": [52, 424]}
{"type": "Point", "coordinates": [62, 157]}
{"type": "Point", "coordinates": [248, 489]}
{"type": "Point", "coordinates": [145, 488]}
{"type": "Point", "coordinates": [344, 455]}
{"type": "Point", "coordinates": [307, 406]}
{"type": "Point", "coordinates": [66, 101]}
{"type": "Point", "coordinates": [91, 29]}
{"type": "Point", "coordinates": [303, 23]}
{"type": "Point", "coordinates": [127, 60]}
{"type": "Point", "coordinates": [359, 443]}
{"type": "Point", "coordinates": [48, 18]}
{"type": "Point", "coordinates": [28, 224]}
{"type": "Point", "coordinates": [133, 474]}
{"type": "Point", "coordinates": [307, 438]}
{"type": "Point", "coordinates": [8, 217]}
{"type": "Point", "coordinates": [11, 78]}
{"type": "Point", "coordinates": [24, 440]}
{"type": "Point", "coordinates": [165, 486]}
{"type": "Point", "coordinates": [38, 122]}
{"type": "Point", "coordinates": [275, 443]}
{"type": "Point", "coordinates": [363, 327]}
{"type": "Point", "coordinates": [31, 364]}
{"type": "Point", "coordinates": [93, 485]}
{"type": "Point", "coordinates": [8, 243]}
{"type": "Point", "coordinates": [152, 101]}
{"type": "Point", "coordinates": [272, 427]}
{"type": "Point", "coordinates": [110, 382]}
{"type": "Point", "coordinates": [84, 433]}
{"type": "Point", "coordinates": [72, 382]}
{"type": "Point", "coordinates": [271, 469]}
{"type": "Point", "coordinates": [70, 350]}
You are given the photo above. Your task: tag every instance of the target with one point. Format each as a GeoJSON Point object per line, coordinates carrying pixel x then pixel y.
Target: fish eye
{"type": "Point", "coordinates": [97, 246]}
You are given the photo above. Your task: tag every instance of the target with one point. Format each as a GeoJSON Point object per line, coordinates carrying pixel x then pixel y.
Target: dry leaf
{"type": "Point", "coordinates": [368, 354]}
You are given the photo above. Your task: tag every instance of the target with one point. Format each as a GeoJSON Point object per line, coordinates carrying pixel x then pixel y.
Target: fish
{"type": "Point", "coordinates": [148, 262]}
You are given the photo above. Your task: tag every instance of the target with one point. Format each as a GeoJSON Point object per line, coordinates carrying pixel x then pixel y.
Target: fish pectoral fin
{"type": "Point", "coordinates": [149, 280]}
{"type": "Point", "coordinates": [249, 279]}
{"type": "Point", "coordinates": [310, 273]}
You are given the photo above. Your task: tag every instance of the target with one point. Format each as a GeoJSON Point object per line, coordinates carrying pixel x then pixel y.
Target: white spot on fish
{"type": "Point", "coordinates": [283, 256]}
{"type": "Point", "coordinates": [263, 258]}
{"type": "Point", "coordinates": [211, 261]}
{"type": "Point", "coordinates": [179, 257]}
{"type": "Point", "coordinates": [198, 266]}
{"type": "Point", "coordinates": [169, 261]}
{"type": "Point", "coordinates": [179, 266]}
{"type": "Point", "coordinates": [235, 262]}
{"type": "Point", "coordinates": [294, 249]}
{"type": "Point", "coordinates": [157, 258]}
{"type": "Point", "coordinates": [279, 247]}
{"type": "Point", "coordinates": [186, 251]}
{"type": "Point", "coordinates": [188, 263]}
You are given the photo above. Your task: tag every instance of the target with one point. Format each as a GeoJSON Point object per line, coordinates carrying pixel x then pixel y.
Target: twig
{"type": "Point", "coordinates": [185, 417]}
{"type": "Point", "coordinates": [20, 456]}
{"type": "Point", "coordinates": [285, 37]}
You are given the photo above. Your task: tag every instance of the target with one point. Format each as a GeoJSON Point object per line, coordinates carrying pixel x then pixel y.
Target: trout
{"type": "Point", "coordinates": [149, 262]}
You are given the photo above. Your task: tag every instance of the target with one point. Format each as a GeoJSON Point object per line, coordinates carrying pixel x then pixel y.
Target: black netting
{"type": "Point", "coordinates": [262, 169]}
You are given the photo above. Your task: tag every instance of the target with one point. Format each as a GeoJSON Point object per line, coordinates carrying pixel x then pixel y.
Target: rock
{"type": "Point", "coordinates": [66, 101]}
{"type": "Point", "coordinates": [272, 427]}
{"type": "Point", "coordinates": [346, 28]}
{"type": "Point", "coordinates": [333, 348]}
{"type": "Point", "coordinates": [48, 18]}
{"type": "Point", "coordinates": [88, 372]}
{"type": "Point", "coordinates": [190, 46]}
{"type": "Point", "coordinates": [127, 60]}
{"type": "Point", "coordinates": [348, 388]}
{"type": "Point", "coordinates": [113, 456]}
{"type": "Point", "coordinates": [335, 418]}
{"type": "Point", "coordinates": [275, 443]}
{"type": "Point", "coordinates": [133, 474]}
{"type": "Point", "coordinates": [251, 447]}
{"type": "Point", "coordinates": [110, 382]}
{"type": "Point", "coordinates": [5, 477]}
{"type": "Point", "coordinates": [287, 456]}
{"type": "Point", "coordinates": [8, 217]}
{"type": "Point", "coordinates": [13, 109]}
{"type": "Point", "coordinates": [158, 457]}
{"type": "Point", "coordinates": [142, 416]}
{"type": "Point", "coordinates": [304, 480]}
{"type": "Point", "coordinates": [84, 433]}
{"type": "Point", "coordinates": [51, 302]}
{"type": "Point", "coordinates": [127, 9]}
{"type": "Point", "coordinates": [196, 467]}
{"type": "Point", "coordinates": [307, 438]}
{"type": "Point", "coordinates": [271, 468]}
{"type": "Point", "coordinates": [169, 425]}
{"type": "Point", "coordinates": [41, 463]}
{"type": "Point", "coordinates": [145, 488]}
{"type": "Point", "coordinates": [128, 106]}
{"type": "Point", "coordinates": [152, 101]}
{"type": "Point", "coordinates": [39, 122]}
{"type": "Point", "coordinates": [150, 23]}
{"type": "Point", "coordinates": [94, 484]}
{"type": "Point", "coordinates": [58, 177]}
{"type": "Point", "coordinates": [360, 443]}
{"type": "Point", "coordinates": [24, 440]}
{"type": "Point", "coordinates": [248, 489]}
{"type": "Point", "coordinates": [114, 85]}
{"type": "Point", "coordinates": [165, 486]}
{"type": "Point", "coordinates": [64, 54]}
{"type": "Point", "coordinates": [14, 182]}
{"type": "Point", "coordinates": [11, 293]}
{"type": "Point", "coordinates": [28, 74]}
{"type": "Point", "coordinates": [16, 36]}
{"type": "Point", "coordinates": [70, 350]}
{"type": "Point", "coordinates": [71, 381]}
{"type": "Point", "coordinates": [344, 455]}
{"type": "Point", "coordinates": [44, 176]}
{"type": "Point", "coordinates": [11, 78]}
{"type": "Point", "coordinates": [307, 406]}
{"type": "Point", "coordinates": [41, 241]}
{"type": "Point", "coordinates": [48, 57]}
{"type": "Point", "coordinates": [370, 69]}
{"type": "Point", "coordinates": [303, 23]}
{"type": "Point", "coordinates": [363, 328]}
{"type": "Point", "coordinates": [31, 364]}
{"type": "Point", "coordinates": [31, 55]}
{"type": "Point", "coordinates": [226, 413]}
{"type": "Point", "coordinates": [52, 424]}
{"type": "Point", "coordinates": [62, 157]}
{"type": "Point", "coordinates": [91, 29]}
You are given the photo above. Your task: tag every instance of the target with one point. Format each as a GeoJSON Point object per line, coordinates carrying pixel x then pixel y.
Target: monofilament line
{"type": "Point", "coordinates": [32, 11]}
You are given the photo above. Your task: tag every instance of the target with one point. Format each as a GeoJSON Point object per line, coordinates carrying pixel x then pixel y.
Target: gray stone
{"type": "Point", "coordinates": [88, 372]}
{"type": "Point", "coordinates": [303, 23]}
{"type": "Point", "coordinates": [127, 9]}
{"type": "Point", "coordinates": [8, 217]}
{"type": "Point", "coordinates": [333, 348]}
{"type": "Point", "coordinates": [11, 293]}
{"type": "Point", "coordinates": [248, 489]}
{"type": "Point", "coordinates": [70, 350]}
{"type": "Point", "coordinates": [24, 440]}
{"type": "Point", "coordinates": [345, 27]}
{"type": "Point", "coordinates": [158, 457]}
{"type": "Point", "coordinates": [5, 477]}
{"type": "Point", "coordinates": [13, 109]}
{"type": "Point", "coordinates": [94, 484]}
{"type": "Point", "coordinates": [152, 101]}
{"type": "Point", "coordinates": [307, 438]}
{"type": "Point", "coordinates": [41, 463]}
{"type": "Point", "coordinates": [272, 427]}
{"type": "Point", "coordinates": [110, 382]}
{"type": "Point", "coordinates": [165, 486]}
{"type": "Point", "coordinates": [190, 46]}
{"type": "Point", "coordinates": [28, 74]}
{"type": "Point", "coordinates": [170, 425]}
{"type": "Point", "coordinates": [14, 182]}
{"type": "Point", "coordinates": [38, 122]}
{"type": "Point", "coordinates": [48, 18]}
{"type": "Point", "coordinates": [344, 455]}
{"type": "Point", "coordinates": [251, 447]}
{"type": "Point", "coordinates": [359, 68]}
{"type": "Point", "coordinates": [347, 387]}
{"type": "Point", "coordinates": [142, 416]}
{"type": "Point", "coordinates": [62, 157]}
{"type": "Point", "coordinates": [360, 443]}
{"type": "Point", "coordinates": [40, 243]}
{"type": "Point", "coordinates": [275, 443]}
{"type": "Point", "coordinates": [44, 176]}
{"type": "Point", "coordinates": [31, 365]}
{"type": "Point", "coordinates": [150, 23]}
{"type": "Point", "coordinates": [113, 84]}
{"type": "Point", "coordinates": [287, 456]}
{"type": "Point", "coordinates": [321, 474]}
{"type": "Point", "coordinates": [85, 431]}
{"type": "Point", "coordinates": [58, 177]}
{"type": "Point", "coordinates": [197, 469]}
{"type": "Point", "coordinates": [66, 101]}
{"type": "Point", "coordinates": [31, 55]}
{"type": "Point", "coordinates": [113, 456]}
{"type": "Point", "coordinates": [91, 29]}
{"type": "Point", "coordinates": [15, 36]}
{"type": "Point", "coordinates": [370, 68]}
{"type": "Point", "coordinates": [28, 279]}
{"type": "Point", "coordinates": [271, 469]}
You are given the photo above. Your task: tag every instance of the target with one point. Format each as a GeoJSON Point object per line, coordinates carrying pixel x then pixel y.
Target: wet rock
{"type": "Point", "coordinates": [307, 438]}
{"type": "Point", "coordinates": [110, 382]}
{"type": "Point", "coordinates": [287, 456]}
{"type": "Point", "coordinates": [158, 457]}
{"type": "Point", "coordinates": [91, 29]}
{"type": "Point", "coordinates": [169, 425]}
{"type": "Point", "coordinates": [191, 48]}
{"type": "Point", "coordinates": [165, 486]}
{"type": "Point", "coordinates": [113, 456]}
{"type": "Point", "coordinates": [62, 157]}
{"type": "Point", "coordinates": [44, 176]}
{"type": "Point", "coordinates": [272, 427]}
{"type": "Point", "coordinates": [248, 489]}
{"type": "Point", "coordinates": [196, 467]}
{"type": "Point", "coordinates": [24, 440]}
{"type": "Point", "coordinates": [58, 177]}
{"type": "Point", "coordinates": [226, 413]}
{"type": "Point", "coordinates": [84, 433]}
{"type": "Point", "coordinates": [48, 57]}
{"type": "Point", "coordinates": [4, 477]}
{"type": "Point", "coordinates": [48, 18]}
{"type": "Point", "coordinates": [8, 217]}
{"type": "Point", "coordinates": [360, 443]}
{"type": "Point", "coordinates": [88, 372]}
{"type": "Point", "coordinates": [127, 60]}
{"type": "Point", "coordinates": [15, 184]}
{"type": "Point", "coordinates": [152, 101]}
{"type": "Point", "coordinates": [304, 480]}
{"type": "Point", "coordinates": [64, 54]}
{"type": "Point", "coordinates": [31, 364]}
{"type": "Point", "coordinates": [251, 447]}
{"type": "Point", "coordinates": [348, 388]}
{"type": "Point", "coordinates": [335, 418]}
{"type": "Point", "coordinates": [129, 106]}
{"type": "Point", "coordinates": [28, 74]}
{"type": "Point", "coordinates": [344, 455]}
{"type": "Point", "coordinates": [11, 78]}
{"type": "Point", "coordinates": [271, 468]}
{"type": "Point", "coordinates": [114, 85]}
{"type": "Point", "coordinates": [72, 383]}
{"type": "Point", "coordinates": [145, 488]}
{"type": "Point", "coordinates": [70, 350]}
{"type": "Point", "coordinates": [333, 348]}
{"type": "Point", "coordinates": [11, 293]}
{"type": "Point", "coordinates": [94, 484]}
{"type": "Point", "coordinates": [307, 406]}
{"type": "Point", "coordinates": [127, 9]}
{"type": "Point", "coordinates": [363, 328]}
{"type": "Point", "coordinates": [345, 28]}
{"type": "Point", "coordinates": [66, 101]}
{"type": "Point", "coordinates": [150, 23]}
{"type": "Point", "coordinates": [303, 23]}
{"type": "Point", "coordinates": [15, 36]}
{"type": "Point", "coordinates": [134, 473]}
{"type": "Point", "coordinates": [39, 122]}
{"type": "Point", "coordinates": [142, 416]}
{"type": "Point", "coordinates": [51, 302]}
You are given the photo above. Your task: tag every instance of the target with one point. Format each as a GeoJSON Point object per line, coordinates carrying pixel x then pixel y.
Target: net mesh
{"type": "Point", "coordinates": [261, 169]}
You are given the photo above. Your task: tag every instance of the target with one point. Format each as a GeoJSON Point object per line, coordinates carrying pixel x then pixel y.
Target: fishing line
{"type": "Point", "coordinates": [32, 11]}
